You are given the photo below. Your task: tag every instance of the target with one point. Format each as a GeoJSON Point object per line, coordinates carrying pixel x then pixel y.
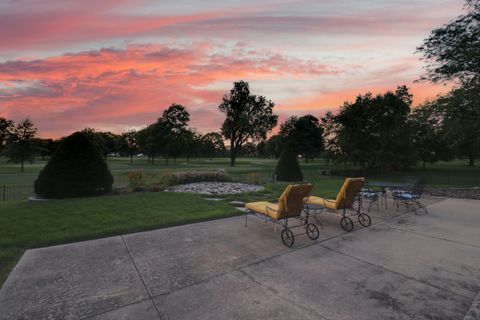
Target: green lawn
{"type": "Point", "coordinates": [26, 224]}
{"type": "Point", "coordinates": [443, 174]}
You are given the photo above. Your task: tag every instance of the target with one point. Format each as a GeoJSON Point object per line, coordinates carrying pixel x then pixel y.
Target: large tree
{"type": "Point", "coordinates": [149, 140]}
{"type": "Point", "coordinates": [461, 113]}
{"type": "Point", "coordinates": [249, 117]}
{"type": "Point", "coordinates": [428, 134]}
{"type": "Point", "coordinates": [212, 145]}
{"type": "Point", "coordinates": [20, 145]}
{"type": "Point", "coordinates": [452, 52]}
{"type": "Point", "coordinates": [6, 129]}
{"type": "Point", "coordinates": [304, 134]}
{"type": "Point", "coordinates": [172, 130]}
{"type": "Point", "coordinates": [372, 132]}
{"type": "Point", "coordinates": [273, 146]}
{"type": "Point", "coordinates": [129, 143]}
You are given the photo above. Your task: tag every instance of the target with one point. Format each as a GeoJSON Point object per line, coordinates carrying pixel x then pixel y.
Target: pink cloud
{"type": "Point", "coordinates": [110, 88]}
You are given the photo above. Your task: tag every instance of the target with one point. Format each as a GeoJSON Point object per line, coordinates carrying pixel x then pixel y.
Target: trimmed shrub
{"type": "Point", "coordinates": [76, 169]}
{"type": "Point", "coordinates": [288, 168]}
{"type": "Point", "coordinates": [170, 179]}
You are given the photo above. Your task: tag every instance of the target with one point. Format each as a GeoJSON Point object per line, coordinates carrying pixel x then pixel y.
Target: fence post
{"type": "Point", "coordinates": [4, 190]}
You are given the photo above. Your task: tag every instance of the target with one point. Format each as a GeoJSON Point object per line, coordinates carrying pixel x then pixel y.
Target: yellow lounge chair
{"type": "Point", "coordinates": [290, 205]}
{"type": "Point", "coordinates": [344, 201]}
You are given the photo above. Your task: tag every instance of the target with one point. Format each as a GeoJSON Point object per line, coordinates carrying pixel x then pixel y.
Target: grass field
{"type": "Point", "coordinates": [443, 174]}
{"type": "Point", "coordinates": [26, 224]}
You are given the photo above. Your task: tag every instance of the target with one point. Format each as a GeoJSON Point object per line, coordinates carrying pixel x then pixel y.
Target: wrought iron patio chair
{"type": "Point", "coordinates": [290, 205]}
{"type": "Point", "coordinates": [411, 199]}
{"type": "Point", "coordinates": [371, 196]}
{"type": "Point", "coordinates": [348, 195]}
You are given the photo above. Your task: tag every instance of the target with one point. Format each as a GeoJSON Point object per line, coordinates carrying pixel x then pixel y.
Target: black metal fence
{"type": "Point", "coordinates": [15, 192]}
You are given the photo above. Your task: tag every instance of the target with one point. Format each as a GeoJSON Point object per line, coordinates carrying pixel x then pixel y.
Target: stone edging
{"type": "Point", "coordinates": [461, 193]}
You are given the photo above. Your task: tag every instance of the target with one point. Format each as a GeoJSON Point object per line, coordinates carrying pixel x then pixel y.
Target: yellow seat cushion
{"type": "Point", "coordinates": [261, 207]}
{"type": "Point", "coordinates": [327, 203]}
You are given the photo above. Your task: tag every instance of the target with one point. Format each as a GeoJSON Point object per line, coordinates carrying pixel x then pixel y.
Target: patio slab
{"type": "Point", "coordinates": [337, 286]}
{"type": "Point", "coordinates": [71, 281]}
{"type": "Point", "coordinates": [402, 267]}
{"type": "Point", "coordinates": [455, 220]}
{"type": "Point", "coordinates": [445, 264]}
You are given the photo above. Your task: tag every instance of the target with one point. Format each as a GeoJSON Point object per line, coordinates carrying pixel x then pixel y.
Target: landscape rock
{"type": "Point", "coordinates": [215, 188]}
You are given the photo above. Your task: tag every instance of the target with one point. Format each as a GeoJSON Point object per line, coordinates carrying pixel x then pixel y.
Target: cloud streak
{"type": "Point", "coordinates": [130, 59]}
{"type": "Point", "coordinates": [132, 86]}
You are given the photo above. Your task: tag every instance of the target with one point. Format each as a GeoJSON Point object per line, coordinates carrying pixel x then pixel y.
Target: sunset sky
{"type": "Point", "coordinates": [117, 64]}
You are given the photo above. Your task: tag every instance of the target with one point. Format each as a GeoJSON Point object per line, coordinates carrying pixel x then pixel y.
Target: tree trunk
{"type": "Point", "coordinates": [423, 164]}
{"type": "Point", "coordinates": [232, 153]}
{"type": "Point", "coordinates": [471, 160]}
{"type": "Point", "coordinates": [131, 158]}
{"type": "Point", "coordinates": [21, 166]}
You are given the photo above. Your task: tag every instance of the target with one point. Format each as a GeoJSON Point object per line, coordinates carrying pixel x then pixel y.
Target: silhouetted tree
{"type": "Point", "coordinates": [373, 131]}
{"type": "Point", "coordinates": [452, 52]}
{"type": "Point", "coordinates": [248, 117]}
{"type": "Point", "coordinates": [46, 147]}
{"type": "Point", "coordinates": [20, 145]}
{"type": "Point", "coordinates": [431, 142]}
{"type": "Point", "coordinates": [461, 113]}
{"type": "Point", "coordinates": [6, 129]}
{"type": "Point", "coordinates": [149, 140]}
{"type": "Point", "coordinates": [273, 147]}
{"type": "Point", "coordinates": [213, 145]}
{"type": "Point", "coordinates": [172, 127]}
{"type": "Point", "coordinates": [305, 134]}
{"type": "Point", "coordinates": [129, 143]}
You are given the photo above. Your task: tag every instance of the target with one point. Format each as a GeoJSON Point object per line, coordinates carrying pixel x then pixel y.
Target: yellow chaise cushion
{"type": "Point", "coordinates": [261, 207]}
{"type": "Point", "coordinates": [319, 201]}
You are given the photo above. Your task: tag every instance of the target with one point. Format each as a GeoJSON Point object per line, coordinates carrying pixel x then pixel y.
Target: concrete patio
{"type": "Point", "coordinates": [402, 267]}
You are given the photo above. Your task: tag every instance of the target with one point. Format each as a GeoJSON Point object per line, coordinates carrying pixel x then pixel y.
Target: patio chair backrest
{"type": "Point", "coordinates": [349, 191]}
{"type": "Point", "coordinates": [290, 203]}
{"type": "Point", "coordinates": [418, 189]}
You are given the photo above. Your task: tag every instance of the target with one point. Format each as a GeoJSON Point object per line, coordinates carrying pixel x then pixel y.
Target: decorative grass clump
{"type": "Point", "coordinates": [76, 169]}
{"type": "Point", "coordinates": [288, 168]}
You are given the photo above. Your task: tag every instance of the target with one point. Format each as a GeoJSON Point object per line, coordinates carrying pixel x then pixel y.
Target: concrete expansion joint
{"type": "Point", "coordinates": [141, 278]}
{"type": "Point", "coordinates": [400, 229]}
{"type": "Point", "coordinates": [110, 310]}
{"type": "Point", "coordinates": [395, 272]}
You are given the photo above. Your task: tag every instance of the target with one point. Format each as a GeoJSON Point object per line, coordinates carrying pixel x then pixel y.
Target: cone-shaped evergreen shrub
{"type": "Point", "coordinates": [76, 169]}
{"type": "Point", "coordinates": [287, 167]}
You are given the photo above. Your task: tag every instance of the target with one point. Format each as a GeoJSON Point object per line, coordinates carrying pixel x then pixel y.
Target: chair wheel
{"type": "Point", "coordinates": [287, 237]}
{"type": "Point", "coordinates": [312, 231]}
{"type": "Point", "coordinates": [346, 223]}
{"type": "Point", "coordinates": [364, 219]}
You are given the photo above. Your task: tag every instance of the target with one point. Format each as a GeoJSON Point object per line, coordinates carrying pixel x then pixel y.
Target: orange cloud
{"type": "Point", "coordinates": [111, 88]}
